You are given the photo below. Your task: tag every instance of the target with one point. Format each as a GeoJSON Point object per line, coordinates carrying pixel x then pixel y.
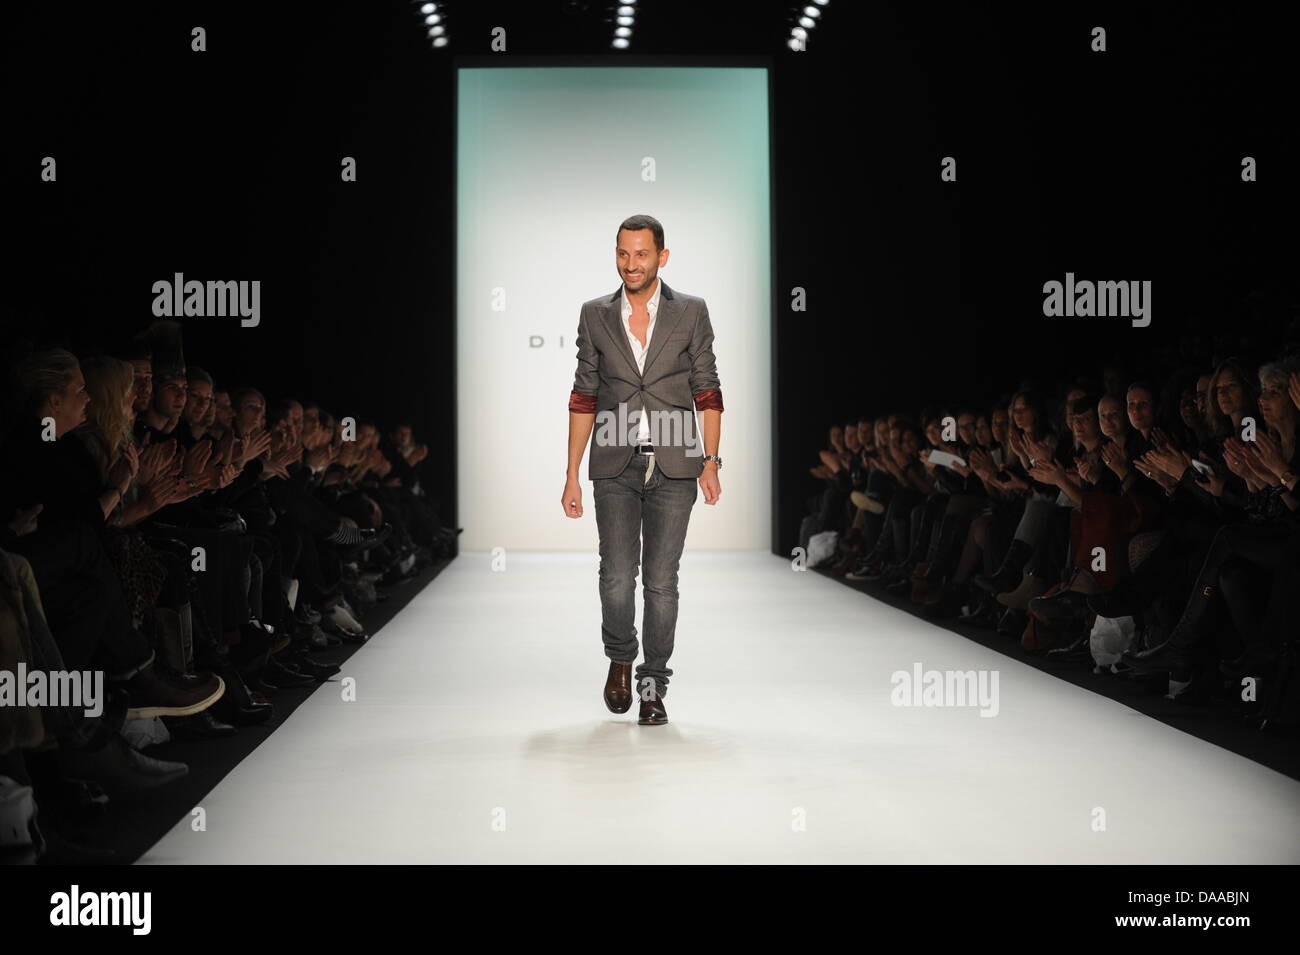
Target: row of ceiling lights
{"type": "Point", "coordinates": [625, 19]}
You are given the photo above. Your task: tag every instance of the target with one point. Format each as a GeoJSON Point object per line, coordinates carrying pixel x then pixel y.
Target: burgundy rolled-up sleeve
{"type": "Point", "coordinates": [586, 380]}
{"type": "Point", "coordinates": [711, 399]}
{"type": "Point", "coordinates": [583, 404]}
{"type": "Point", "coordinates": [705, 386]}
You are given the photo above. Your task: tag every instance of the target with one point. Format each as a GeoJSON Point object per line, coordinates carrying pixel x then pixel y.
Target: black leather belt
{"type": "Point", "coordinates": [645, 449]}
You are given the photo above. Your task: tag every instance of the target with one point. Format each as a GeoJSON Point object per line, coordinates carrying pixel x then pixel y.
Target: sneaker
{"type": "Point", "coordinates": [117, 767]}
{"type": "Point", "coordinates": [342, 621]}
{"type": "Point", "coordinates": [153, 694]}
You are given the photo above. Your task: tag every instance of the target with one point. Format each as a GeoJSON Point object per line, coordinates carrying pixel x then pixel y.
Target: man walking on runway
{"type": "Point", "coordinates": [645, 359]}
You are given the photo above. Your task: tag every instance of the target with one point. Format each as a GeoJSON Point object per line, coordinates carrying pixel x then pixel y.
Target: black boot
{"type": "Point", "coordinates": [1008, 575]}
{"type": "Point", "coordinates": [942, 554]}
{"type": "Point", "coordinates": [1175, 653]}
{"type": "Point", "coordinates": [1062, 607]}
{"type": "Point", "coordinates": [1133, 594]}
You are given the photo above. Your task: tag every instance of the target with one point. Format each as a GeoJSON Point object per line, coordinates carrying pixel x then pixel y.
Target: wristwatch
{"type": "Point", "coordinates": [715, 459]}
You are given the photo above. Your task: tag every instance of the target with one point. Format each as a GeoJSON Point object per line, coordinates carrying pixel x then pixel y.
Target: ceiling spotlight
{"type": "Point", "coordinates": [625, 11]}
{"type": "Point", "coordinates": [799, 33]}
{"type": "Point", "coordinates": [620, 43]}
{"type": "Point", "coordinates": [625, 21]}
{"type": "Point", "coordinates": [440, 41]}
{"type": "Point", "coordinates": [428, 8]}
{"type": "Point", "coordinates": [437, 31]}
{"type": "Point", "coordinates": [808, 22]}
{"type": "Point", "coordinates": [432, 18]}
{"type": "Point", "coordinates": [622, 31]}
{"type": "Point", "coordinates": [812, 12]}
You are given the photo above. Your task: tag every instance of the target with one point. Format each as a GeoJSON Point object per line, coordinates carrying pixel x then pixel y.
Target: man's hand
{"type": "Point", "coordinates": [709, 483]}
{"type": "Point", "coordinates": [571, 500]}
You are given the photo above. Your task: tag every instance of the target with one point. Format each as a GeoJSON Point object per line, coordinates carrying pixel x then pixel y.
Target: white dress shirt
{"type": "Point", "coordinates": [643, 426]}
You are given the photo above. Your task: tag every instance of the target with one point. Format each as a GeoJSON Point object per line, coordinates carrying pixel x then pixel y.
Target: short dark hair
{"type": "Point", "coordinates": [1085, 403]}
{"type": "Point", "coordinates": [637, 223]}
{"type": "Point", "coordinates": [195, 373]}
{"type": "Point", "coordinates": [237, 396]}
{"type": "Point", "coordinates": [1143, 385]}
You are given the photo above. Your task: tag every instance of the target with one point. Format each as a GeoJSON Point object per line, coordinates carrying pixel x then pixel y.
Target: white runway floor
{"type": "Point", "coordinates": [478, 735]}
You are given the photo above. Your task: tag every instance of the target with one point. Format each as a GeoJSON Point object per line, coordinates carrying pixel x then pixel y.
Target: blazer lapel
{"type": "Point", "coordinates": [614, 325]}
{"type": "Point", "coordinates": [666, 319]}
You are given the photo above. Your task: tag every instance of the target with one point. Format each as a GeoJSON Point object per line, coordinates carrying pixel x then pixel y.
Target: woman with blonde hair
{"type": "Point", "coordinates": [106, 432]}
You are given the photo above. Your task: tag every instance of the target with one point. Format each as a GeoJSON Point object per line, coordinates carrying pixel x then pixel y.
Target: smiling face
{"type": "Point", "coordinates": [198, 402]}
{"type": "Point", "coordinates": [222, 408]}
{"type": "Point", "coordinates": [851, 437]}
{"type": "Point", "coordinates": [1141, 409]}
{"type": "Point", "coordinates": [998, 423]}
{"type": "Point", "coordinates": [1275, 403]}
{"type": "Point", "coordinates": [1024, 416]}
{"type": "Point", "coordinates": [311, 435]}
{"type": "Point", "coordinates": [1071, 397]}
{"type": "Point", "coordinates": [637, 260]}
{"type": "Point", "coordinates": [1229, 393]}
{"type": "Point", "coordinates": [1113, 417]}
{"type": "Point", "coordinates": [966, 428]}
{"type": "Point", "coordinates": [250, 414]}
{"type": "Point", "coordinates": [294, 417]}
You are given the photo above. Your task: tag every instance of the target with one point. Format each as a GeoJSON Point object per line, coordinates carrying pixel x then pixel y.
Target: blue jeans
{"type": "Point", "coordinates": [628, 508]}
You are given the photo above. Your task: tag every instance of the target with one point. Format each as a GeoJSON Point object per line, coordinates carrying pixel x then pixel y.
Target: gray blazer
{"type": "Point", "coordinates": [680, 377]}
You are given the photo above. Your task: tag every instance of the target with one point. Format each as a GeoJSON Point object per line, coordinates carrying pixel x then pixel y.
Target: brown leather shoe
{"type": "Point", "coordinates": [618, 687]}
{"type": "Point", "coordinates": [653, 713]}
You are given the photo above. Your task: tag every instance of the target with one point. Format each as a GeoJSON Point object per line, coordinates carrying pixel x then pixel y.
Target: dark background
{"type": "Point", "coordinates": [225, 165]}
